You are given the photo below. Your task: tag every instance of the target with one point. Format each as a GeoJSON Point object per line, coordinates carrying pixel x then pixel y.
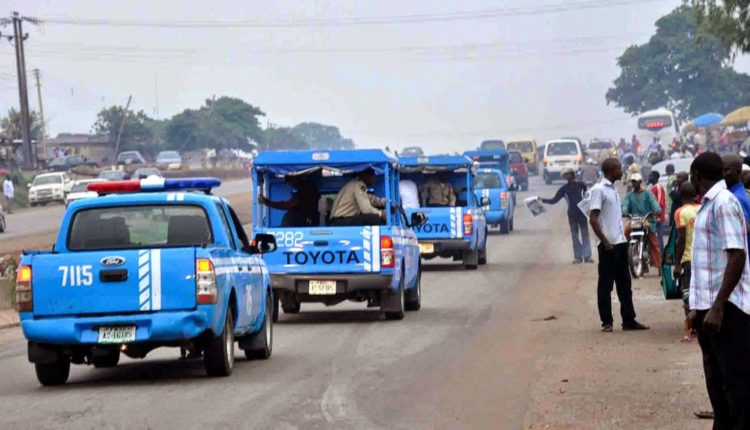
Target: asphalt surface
{"type": "Point", "coordinates": [460, 362]}
{"type": "Point", "coordinates": [46, 219]}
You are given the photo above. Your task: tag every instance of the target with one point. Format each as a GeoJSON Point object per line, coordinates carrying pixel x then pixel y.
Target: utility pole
{"type": "Point", "coordinates": [39, 98]}
{"type": "Point", "coordinates": [122, 125]}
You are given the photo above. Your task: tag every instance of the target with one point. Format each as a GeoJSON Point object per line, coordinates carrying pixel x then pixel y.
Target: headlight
{"type": "Point", "coordinates": [636, 223]}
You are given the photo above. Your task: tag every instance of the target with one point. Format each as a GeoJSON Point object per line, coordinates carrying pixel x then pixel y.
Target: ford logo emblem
{"type": "Point", "coordinates": [113, 261]}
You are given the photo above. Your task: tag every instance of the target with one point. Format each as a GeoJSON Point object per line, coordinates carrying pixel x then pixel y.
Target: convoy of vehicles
{"type": "Point", "coordinates": [49, 187]}
{"type": "Point", "coordinates": [560, 154]}
{"type": "Point", "coordinates": [529, 152]}
{"type": "Point", "coordinates": [458, 230]}
{"type": "Point", "coordinates": [145, 266]}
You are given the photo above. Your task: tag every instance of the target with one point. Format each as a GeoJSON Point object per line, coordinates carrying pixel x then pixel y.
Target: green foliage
{"type": "Point", "coordinates": [320, 136]}
{"type": "Point", "coordinates": [11, 125]}
{"type": "Point", "coordinates": [136, 133]}
{"type": "Point", "coordinates": [680, 69]}
{"type": "Point", "coordinates": [728, 20]}
{"type": "Point", "coordinates": [282, 138]}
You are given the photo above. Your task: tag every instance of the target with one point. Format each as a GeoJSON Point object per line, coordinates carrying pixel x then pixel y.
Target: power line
{"type": "Point", "coordinates": [485, 14]}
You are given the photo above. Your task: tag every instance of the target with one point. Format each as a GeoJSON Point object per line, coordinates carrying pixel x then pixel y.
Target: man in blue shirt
{"type": "Point", "coordinates": [732, 174]}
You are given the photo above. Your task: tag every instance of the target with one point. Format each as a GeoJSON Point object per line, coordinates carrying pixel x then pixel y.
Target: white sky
{"type": "Point", "coordinates": [544, 76]}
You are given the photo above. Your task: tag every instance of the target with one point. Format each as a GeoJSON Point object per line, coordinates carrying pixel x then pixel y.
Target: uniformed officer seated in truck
{"type": "Point", "coordinates": [354, 206]}
{"type": "Point", "coordinates": [437, 191]}
{"type": "Point", "coordinates": [302, 207]}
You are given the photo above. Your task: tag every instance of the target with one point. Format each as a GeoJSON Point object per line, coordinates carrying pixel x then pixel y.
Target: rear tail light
{"type": "Point", "coordinates": [579, 158]}
{"type": "Point", "coordinates": [503, 199]}
{"type": "Point", "coordinates": [468, 225]}
{"type": "Point", "coordinates": [205, 281]}
{"type": "Point", "coordinates": [387, 256]}
{"type": "Point", "coordinates": [24, 301]}
{"type": "Point", "coordinates": [546, 161]}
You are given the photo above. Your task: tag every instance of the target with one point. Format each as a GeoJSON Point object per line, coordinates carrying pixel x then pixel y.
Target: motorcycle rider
{"type": "Point", "coordinates": [641, 202]}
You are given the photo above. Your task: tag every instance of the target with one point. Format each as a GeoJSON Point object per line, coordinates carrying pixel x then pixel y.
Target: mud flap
{"type": "Point", "coordinates": [471, 258]}
{"type": "Point", "coordinates": [43, 354]}
{"type": "Point", "coordinates": [390, 300]}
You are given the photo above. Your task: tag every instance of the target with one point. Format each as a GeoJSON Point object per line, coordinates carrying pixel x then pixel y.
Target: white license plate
{"type": "Point", "coordinates": [322, 288]}
{"type": "Point", "coordinates": [426, 248]}
{"type": "Point", "coordinates": [119, 334]}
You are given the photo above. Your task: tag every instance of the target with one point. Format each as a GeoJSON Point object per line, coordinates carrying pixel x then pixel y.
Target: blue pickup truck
{"type": "Point", "coordinates": [145, 265]}
{"type": "Point", "coordinates": [457, 230]}
{"type": "Point", "coordinates": [494, 182]}
{"type": "Point", "coordinates": [319, 262]}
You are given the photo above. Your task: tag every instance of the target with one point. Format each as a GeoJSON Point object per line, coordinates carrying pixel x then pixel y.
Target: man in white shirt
{"type": "Point", "coordinates": [409, 194]}
{"type": "Point", "coordinates": [9, 193]}
{"type": "Point", "coordinates": [606, 222]}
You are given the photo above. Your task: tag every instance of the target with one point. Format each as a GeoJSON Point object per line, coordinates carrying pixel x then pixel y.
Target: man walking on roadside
{"type": "Point", "coordinates": [720, 294]}
{"type": "Point", "coordinates": [573, 192]}
{"type": "Point", "coordinates": [732, 174]}
{"type": "Point", "coordinates": [9, 193]}
{"type": "Point", "coordinates": [606, 222]}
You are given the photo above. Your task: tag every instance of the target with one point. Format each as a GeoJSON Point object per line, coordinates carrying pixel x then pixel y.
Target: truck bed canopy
{"type": "Point", "coordinates": [338, 161]}
{"type": "Point", "coordinates": [435, 163]}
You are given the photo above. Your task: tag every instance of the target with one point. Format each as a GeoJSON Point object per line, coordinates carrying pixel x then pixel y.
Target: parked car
{"type": "Point", "coordinates": [169, 160]}
{"type": "Point", "coordinates": [63, 164]}
{"type": "Point", "coordinates": [130, 157]}
{"type": "Point", "coordinates": [113, 175]}
{"type": "Point", "coordinates": [145, 172]}
{"type": "Point", "coordinates": [49, 187]}
{"type": "Point", "coordinates": [518, 170]}
{"type": "Point", "coordinates": [80, 190]}
{"type": "Point", "coordinates": [411, 151]}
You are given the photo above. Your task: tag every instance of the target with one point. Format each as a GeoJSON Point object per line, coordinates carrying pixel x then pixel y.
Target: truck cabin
{"type": "Point", "coordinates": [495, 158]}
{"type": "Point", "coordinates": [277, 175]}
{"type": "Point", "coordinates": [455, 170]}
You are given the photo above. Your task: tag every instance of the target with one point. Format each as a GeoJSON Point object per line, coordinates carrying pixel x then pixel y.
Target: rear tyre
{"type": "Point", "coordinates": [414, 295]}
{"type": "Point", "coordinates": [291, 305]}
{"type": "Point", "coordinates": [55, 373]}
{"type": "Point", "coordinates": [505, 226]}
{"type": "Point", "coordinates": [398, 314]}
{"type": "Point", "coordinates": [218, 354]}
{"type": "Point", "coordinates": [260, 345]}
{"type": "Point", "coordinates": [483, 255]}
{"type": "Point", "coordinates": [275, 309]}
{"type": "Point", "coordinates": [109, 360]}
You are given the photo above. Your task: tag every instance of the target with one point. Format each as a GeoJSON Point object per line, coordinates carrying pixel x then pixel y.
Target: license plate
{"type": "Point", "coordinates": [426, 248]}
{"type": "Point", "coordinates": [322, 288]}
{"type": "Point", "coordinates": [120, 334]}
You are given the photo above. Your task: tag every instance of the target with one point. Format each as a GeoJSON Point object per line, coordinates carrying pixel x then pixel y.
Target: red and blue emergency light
{"type": "Point", "coordinates": [154, 184]}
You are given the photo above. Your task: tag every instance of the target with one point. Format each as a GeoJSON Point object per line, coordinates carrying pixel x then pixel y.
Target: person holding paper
{"type": "Point", "coordinates": [573, 192]}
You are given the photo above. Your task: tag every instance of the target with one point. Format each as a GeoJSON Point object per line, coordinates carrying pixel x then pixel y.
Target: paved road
{"type": "Point", "coordinates": [47, 219]}
{"type": "Point", "coordinates": [459, 362]}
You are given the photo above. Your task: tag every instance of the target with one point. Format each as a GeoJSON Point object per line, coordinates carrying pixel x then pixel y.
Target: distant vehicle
{"type": "Point", "coordinates": [169, 160]}
{"type": "Point", "coordinates": [80, 190]}
{"type": "Point", "coordinates": [491, 183]}
{"type": "Point", "coordinates": [529, 151]}
{"type": "Point", "coordinates": [411, 151]}
{"type": "Point", "coordinates": [658, 123]}
{"type": "Point", "coordinates": [49, 187]}
{"type": "Point", "coordinates": [600, 150]}
{"type": "Point", "coordinates": [63, 164]}
{"type": "Point", "coordinates": [130, 157]}
{"type": "Point", "coordinates": [145, 172]}
{"type": "Point", "coordinates": [489, 145]}
{"type": "Point", "coordinates": [113, 175]}
{"type": "Point", "coordinates": [559, 154]}
{"type": "Point", "coordinates": [518, 170]}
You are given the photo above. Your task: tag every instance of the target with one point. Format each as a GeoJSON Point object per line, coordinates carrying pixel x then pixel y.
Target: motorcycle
{"type": "Point", "coordinates": [638, 247]}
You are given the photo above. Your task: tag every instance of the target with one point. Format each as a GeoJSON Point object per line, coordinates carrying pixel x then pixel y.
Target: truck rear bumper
{"type": "Point", "coordinates": [153, 327]}
{"type": "Point", "coordinates": [495, 217]}
{"type": "Point", "coordinates": [446, 246]}
{"type": "Point", "coordinates": [345, 283]}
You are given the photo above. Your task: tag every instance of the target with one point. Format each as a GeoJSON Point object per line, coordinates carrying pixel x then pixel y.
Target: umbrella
{"type": "Point", "coordinates": [708, 119]}
{"type": "Point", "coordinates": [739, 117]}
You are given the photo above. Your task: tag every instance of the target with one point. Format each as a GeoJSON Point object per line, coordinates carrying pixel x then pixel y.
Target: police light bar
{"type": "Point", "coordinates": [154, 183]}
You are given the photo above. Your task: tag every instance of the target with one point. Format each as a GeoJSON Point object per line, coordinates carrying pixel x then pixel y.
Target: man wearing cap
{"type": "Point", "coordinates": [574, 192]}
{"type": "Point", "coordinates": [640, 202]}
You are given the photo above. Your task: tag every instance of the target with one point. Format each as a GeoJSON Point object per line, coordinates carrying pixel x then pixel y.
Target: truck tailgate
{"type": "Point", "coordinates": [442, 222]}
{"type": "Point", "coordinates": [107, 282]}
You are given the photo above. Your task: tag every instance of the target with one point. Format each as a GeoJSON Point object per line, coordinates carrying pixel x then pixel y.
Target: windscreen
{"type": "Point", "coordinates": [152, 226]}
{"type": "Point", "coordinates": [562, 148]}
{"type": "Point", "coordinates": [521, 146]}
{"type": "Point", "coordinates": [492, 144]}
{"type": "Point", "coordinates": [487, 180]}
{"type": "Point", "coordinates": [47, 180]}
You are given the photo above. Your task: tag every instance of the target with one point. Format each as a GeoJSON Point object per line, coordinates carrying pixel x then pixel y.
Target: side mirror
{"type": "Point", "coordinates": [513, 187]}
{"type": "Point", "coordinates": [418, 218]}
{"type": "Point", "coordinates": [264, 243]}
{"type": "Point", "coordinates": [484, 201]}
{"type": "Point", "coordinates": [28, 185]}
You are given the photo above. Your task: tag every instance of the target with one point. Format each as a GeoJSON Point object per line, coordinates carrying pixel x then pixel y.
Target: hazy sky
{"type": "Point", "coordinates": [536, 68]}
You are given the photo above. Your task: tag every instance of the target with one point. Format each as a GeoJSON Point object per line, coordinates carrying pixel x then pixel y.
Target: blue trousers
{"type": "Point", "coordinates": [579, 232]}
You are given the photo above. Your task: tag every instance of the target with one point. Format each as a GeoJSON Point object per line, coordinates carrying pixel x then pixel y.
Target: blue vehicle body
{"type": "Point", "coordinates": [330, 264]}
{"type": "Point", "coordinates": [460, 231]}
{"type": "Point", "coordinates": [80, 289]}
{"type": "Point", "coordinates": [501, 210]}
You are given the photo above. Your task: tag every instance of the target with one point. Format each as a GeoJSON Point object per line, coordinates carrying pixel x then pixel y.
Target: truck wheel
{"type": "Point", "coordinates": [275, 309]}
{"type": "Point", "coordinates": [483, 255]}
{"type": "Point", "coordinates": [471, 260]}
{"type": "Point", "coordinates": [55, 373]}
{"type": "Point", "coordinates": [511, 223]}
{"type": "Point", "coordinates": [260, 344]}
{"type": "Point", "coordinates": [399, 313]}
{"type": "Point", "coordinates": [110, 359]}
{"type": "Point", "coordinates": [505, 226]}
{"type": "Point", "coordinates": [414, 295]}
{"type": "Point", "coordinates": [218, 354]}
{"type": "Point", "coordinates": [291, 305]}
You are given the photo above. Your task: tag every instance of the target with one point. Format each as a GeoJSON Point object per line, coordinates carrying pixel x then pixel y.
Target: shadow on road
{"type": "Point", "coordinates": [443, 267]}
{"type": "Point", "coordinates": [331, 317]}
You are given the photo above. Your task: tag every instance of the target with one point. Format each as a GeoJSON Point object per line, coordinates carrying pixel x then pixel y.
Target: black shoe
{"type": "Point", "coordinates": [577, 261]}
{"type": "Point", "coordinates": [607, 328]}
{"type": "Point", "coordinates": [635, 325]}
{"type": "Point", "coordinates": [589, 260]}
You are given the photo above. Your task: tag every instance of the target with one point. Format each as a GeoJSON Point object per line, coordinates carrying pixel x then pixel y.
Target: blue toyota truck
{"type": "Point", "coordinates": [495, 183]}
{"type": "Point", "coordinates": [456, 227]}
{"type": "Point", "coordinates": [144, 265]}
{"type": "Point", "coordinates": [376, 262]}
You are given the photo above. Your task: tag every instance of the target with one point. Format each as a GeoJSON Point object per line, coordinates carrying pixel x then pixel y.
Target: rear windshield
{"type": "Point", "coordinates": [562, 148]}
{"type": "Point", "coordinates": [153, 226]}
{"type": "Point", "coordinates": [492, 144]}
{"type": "Point", "coordinates": [516, 158]}
{"type": "Point", "coordinates": [79, 188]}
{"type": "Point", "coordinates": [521, 146]}
{"type": "Point", "coordinates": [487, 180]}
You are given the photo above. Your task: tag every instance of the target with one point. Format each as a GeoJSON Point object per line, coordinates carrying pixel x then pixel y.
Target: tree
{"type": "Point", "coordinates": [674, 71]}
{"type": "Point", "coordinates": [283, 138]}
{"type": "Point", "coordinates": [320, 136]}
{"type": "Point", "coordinates": [136, 132]}
{"type": "Point", "coordinates": [11, 125]}
{"type": "Point", "coordinates": [728, 20]}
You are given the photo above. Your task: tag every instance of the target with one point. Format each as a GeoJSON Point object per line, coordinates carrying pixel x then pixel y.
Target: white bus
{"type": "Point", "coordinates": [659, 123]}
